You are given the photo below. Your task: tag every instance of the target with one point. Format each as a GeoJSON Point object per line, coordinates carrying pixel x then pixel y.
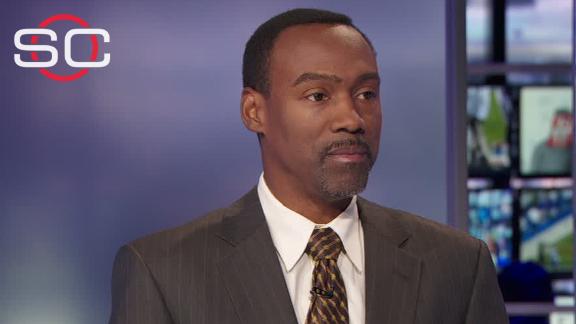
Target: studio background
{"type": "Point", "coordinates": [155, 140]}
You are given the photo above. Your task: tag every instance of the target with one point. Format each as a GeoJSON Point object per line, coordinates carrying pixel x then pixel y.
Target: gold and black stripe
{"type": "Point", "coordinates": [328, 303]}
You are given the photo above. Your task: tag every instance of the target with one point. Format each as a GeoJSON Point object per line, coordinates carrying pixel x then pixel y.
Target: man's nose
{"type": "Point", "coordinates": [347, 117]}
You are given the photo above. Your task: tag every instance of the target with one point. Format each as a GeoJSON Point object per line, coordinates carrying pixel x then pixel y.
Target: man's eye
{"type": "Point", "coordinates": [317, 96]}
{"type": "Point", "coordinates": [367, 95]}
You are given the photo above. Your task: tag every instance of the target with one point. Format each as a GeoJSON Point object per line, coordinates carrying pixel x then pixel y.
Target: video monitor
{"type": "Point", "coordinates": [546, 131]}
{"type": "Point", "coordinates": [478, 30]}
{"type": "Point", "coordinates": [546, 233]}
{"type": "Point", "coordinates": [539, 31]}
{"type": "Point", "coordinates": [490, 219]}
{"type": "Point", "coordinates": [488, 120]}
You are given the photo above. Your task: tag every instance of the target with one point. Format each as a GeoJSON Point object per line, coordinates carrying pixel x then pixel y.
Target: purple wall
{"type": "Point", "coordinates": [155, 139]}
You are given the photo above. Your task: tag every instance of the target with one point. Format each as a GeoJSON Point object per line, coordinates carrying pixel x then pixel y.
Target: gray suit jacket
{"type": "Point", "coordinates": [223, 268]}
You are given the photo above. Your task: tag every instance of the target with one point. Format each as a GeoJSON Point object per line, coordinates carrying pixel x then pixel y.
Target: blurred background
{"type": "Point", "coordinates": [519, 150]}
{"type": "Point", "coordinates": [89, 165]}
{"type": "Point", "coordinates": [155, 140]}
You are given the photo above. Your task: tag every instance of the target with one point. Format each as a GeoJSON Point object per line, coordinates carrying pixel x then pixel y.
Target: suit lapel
{"type": "Point", "coordinates": [254, 280]}
{"type": "Point", "coordinates": [392, 274]}
{"type": "Point", "coordinates": [251, 271]}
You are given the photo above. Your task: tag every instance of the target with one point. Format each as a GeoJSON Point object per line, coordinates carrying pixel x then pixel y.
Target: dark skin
{"type": "Point", "coordinates": [320, 123]}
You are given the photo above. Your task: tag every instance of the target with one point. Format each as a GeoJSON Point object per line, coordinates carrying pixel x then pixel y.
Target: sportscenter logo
{"type": "Point", "coordinates": [33, 48]}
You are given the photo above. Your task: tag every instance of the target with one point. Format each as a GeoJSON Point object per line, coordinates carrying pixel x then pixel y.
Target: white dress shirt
{"type": "Point", "coordinates": [290, 233]}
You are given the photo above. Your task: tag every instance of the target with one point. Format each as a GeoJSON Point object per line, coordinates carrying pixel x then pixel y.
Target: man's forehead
{"type": "Point", "coordinates": [321, 48]}
{"type": "Point", "coordinates": [297, 35]}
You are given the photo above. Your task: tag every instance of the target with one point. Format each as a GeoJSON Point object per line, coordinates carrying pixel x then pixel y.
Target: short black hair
{"type": "Point", "coordinates": [259, 47]}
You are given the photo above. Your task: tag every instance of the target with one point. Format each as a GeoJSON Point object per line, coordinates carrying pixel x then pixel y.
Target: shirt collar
{"type": "Point", "coordinates": [291, 231]}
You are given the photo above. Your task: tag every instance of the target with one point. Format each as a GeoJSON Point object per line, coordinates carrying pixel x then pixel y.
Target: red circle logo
{"type": "Point", "coordinates": [93, 56]}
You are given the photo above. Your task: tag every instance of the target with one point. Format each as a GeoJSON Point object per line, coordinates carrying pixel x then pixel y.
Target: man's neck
{"type": "Point", "coordinates": [316, 209]}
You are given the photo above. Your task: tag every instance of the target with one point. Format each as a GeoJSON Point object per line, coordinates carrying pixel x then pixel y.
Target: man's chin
{"type": "Point", "coordinates": [344, 184]}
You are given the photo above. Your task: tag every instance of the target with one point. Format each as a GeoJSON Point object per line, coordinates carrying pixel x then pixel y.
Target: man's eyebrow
{"type": "Point", "coordinates": [367, 77]}
{"type": "Point", "coordinates": [311, 76]}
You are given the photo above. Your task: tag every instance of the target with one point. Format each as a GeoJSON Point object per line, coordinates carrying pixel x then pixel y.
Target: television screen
{"type": "Point", "coordinates": [478, 32]}
{"type": "Point", "coordinates": [490, 219]}
{"type": "Point", "coordinates": [546, 233]}
{"type": "Point", "coordinates": [488, 114]}
{"type": "Point", "coordinates": [539, 31]}
{"type": "Point", "coordinates": [546, 131]}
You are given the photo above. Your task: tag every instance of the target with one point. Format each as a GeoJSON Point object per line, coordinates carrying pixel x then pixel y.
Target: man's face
{"type": "Point", "coordinates": [561, 131]}
{"type": "Point", "coordinates": [323, 115]}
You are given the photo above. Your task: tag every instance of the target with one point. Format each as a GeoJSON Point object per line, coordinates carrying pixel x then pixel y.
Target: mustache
{"type": "Point", "coordinates": [346, 143]}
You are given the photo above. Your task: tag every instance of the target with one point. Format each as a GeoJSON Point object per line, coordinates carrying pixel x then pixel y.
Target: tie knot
{"type": "Point", "coordinates": [324, 243]}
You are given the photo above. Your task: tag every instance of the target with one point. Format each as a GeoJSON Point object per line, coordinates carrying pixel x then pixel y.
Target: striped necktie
{"type": "Point", "coordinates": [328, 302]}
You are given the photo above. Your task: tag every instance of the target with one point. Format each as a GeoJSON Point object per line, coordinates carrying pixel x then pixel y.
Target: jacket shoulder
{"type": "Point", "coordinates": [195, 239]}
{"type": "Point", "coordinates": [423, 235]}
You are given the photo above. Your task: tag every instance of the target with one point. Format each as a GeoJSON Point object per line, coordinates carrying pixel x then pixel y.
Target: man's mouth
{"type": "Point", "coordinates": [349, 154]}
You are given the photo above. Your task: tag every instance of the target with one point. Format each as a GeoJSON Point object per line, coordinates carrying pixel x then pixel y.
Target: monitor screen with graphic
{"type": "Point", "coordinates": [488, 126]}
{"type": "Point", "coordinates": [490, 219]}
{"type": "Point", "coordinates": [539, 31]}
{"type": "Point", "coordinates": [478, 30]}
{"type": "Point", "coordinates": [546, 131]}
{"type": "Point", "coordinates": [546, 228]}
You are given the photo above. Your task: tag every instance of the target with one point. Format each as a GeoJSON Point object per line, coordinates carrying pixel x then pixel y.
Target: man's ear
{"type": "Point", "coordinates": [253, 110]}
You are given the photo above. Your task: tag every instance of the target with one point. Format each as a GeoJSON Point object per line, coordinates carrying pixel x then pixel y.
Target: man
{"type": "Point", "coordinates": [302, 247]}
{"type": "Point", "coordinates": [553, 155]}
